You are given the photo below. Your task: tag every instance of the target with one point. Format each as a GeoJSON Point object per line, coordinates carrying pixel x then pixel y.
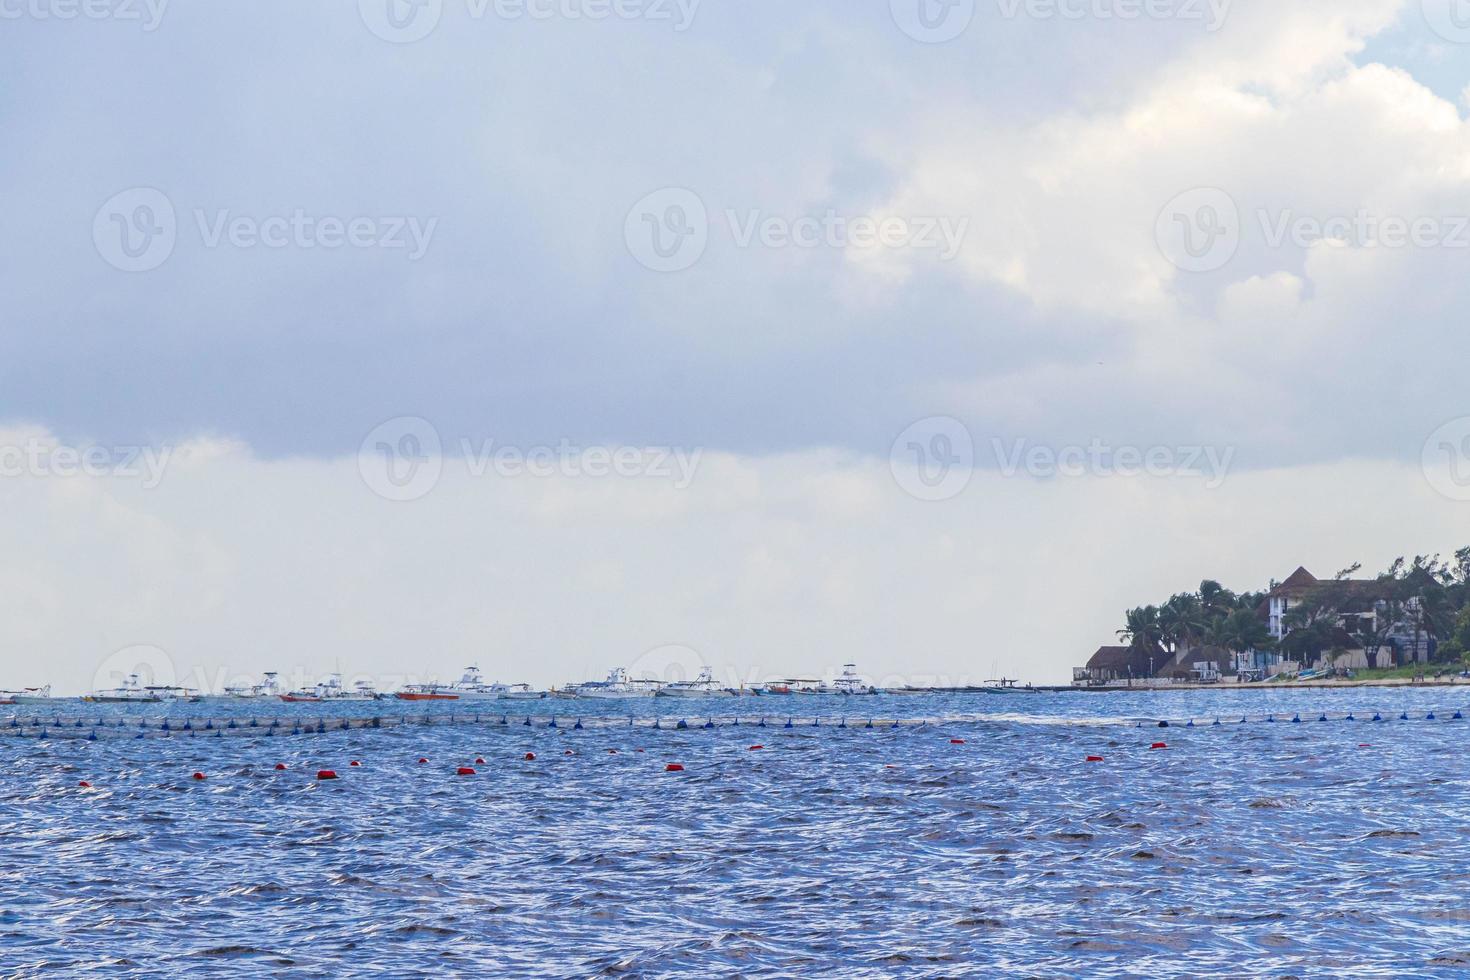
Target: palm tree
{"type": "Point", "coordinates": [1143, 633]}
{"type": "Point", "coordinates": [1182, 621]}
{"type": "Point", "coordinates": [1241, 632]}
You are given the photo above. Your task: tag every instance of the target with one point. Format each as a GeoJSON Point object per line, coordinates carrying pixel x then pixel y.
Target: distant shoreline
{"type": "Point", "coordinates": [1273, 685]}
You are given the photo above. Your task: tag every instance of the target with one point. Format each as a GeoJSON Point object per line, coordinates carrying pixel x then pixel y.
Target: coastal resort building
{"type": "Point", "coordinates": [1115, 664]}
{"type": "Point", "coordinates": [1360, 608]}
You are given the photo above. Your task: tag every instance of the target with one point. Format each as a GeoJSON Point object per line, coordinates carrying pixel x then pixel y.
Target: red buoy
{"type": "Point", "coordinates": [354, 762]}
{"type": "Point", "coordinates": [280, 766]}
{"type": "Point", "coordinates": [1094, 758]}
{"type": "Point", "coordinates": [326, 774]}
{"type": "Point", "coordinates": [84, 784]}
{"type": "Point", "coordinates": [465, 771]}
{"type": "Point", "coordinates": [199, 775]}
{"type": "Point", "coordinates": [612, 751]}
{"type": "Point", "coordinates": [1365, 745]}
{"type": "Point", "coordinates": [637, 750]}
{"type": "Point", "coordinates": [755, 748]}
{"type": "Point", "coordinates": [1159, 745]}
{"type": "Point", "coordinates": [530, 756]}
{"type": "Point", "coordinates": [479, 761]}
{"type": "Point", "coordinates": [673, 767]}
{"type": "Point", "coordinates": [569, 752]}
{"type": "Point", "coordinates": [956, 741]}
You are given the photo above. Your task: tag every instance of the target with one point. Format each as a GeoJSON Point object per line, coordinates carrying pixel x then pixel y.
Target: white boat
{"type": "Point", "coordinates": [618, 686]}
{"type": "Point", "coordinates": [270, 687]}
{"type": "Point", "coordinates": [28, 695]}
{"type": "Point", "coordinates": [132, 691]}
{"type": "Point", "coordinates": [851, 683]}
{"type": "Point", "coordinates": [471, 686]}
{"type": "Point", "coordinates": [331, 689]}
{"type": "Point", "coordinates": [521, 692]}
{"type": "Point", "coordinates": [807, 685]}
{"type": "Point", "coordinates": [703, 686]}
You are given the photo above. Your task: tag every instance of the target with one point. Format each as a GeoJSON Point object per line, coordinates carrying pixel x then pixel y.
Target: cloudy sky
{"type": "Point", "coordinates": [555, 335]}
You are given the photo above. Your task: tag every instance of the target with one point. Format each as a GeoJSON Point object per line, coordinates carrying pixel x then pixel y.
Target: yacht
{"type": "Point", "coordinates": [807, 685]}
{"type": "Point", "coordinates": [331, 689]}
{"type": "Point", "coordinates": [850, 683]}
{"type": "Point", "coordinates": [269, 687]}
{"type": "Point", "coordinates": [618, 686]}
{"type": "Point", "coordinates": [29, 695]}
{"type": "Point", "coordinates": [132, 691]}
{"type": "Point", "coordinates": [703, 686]}
{"type": "Point", "coordinates": [521, 692]}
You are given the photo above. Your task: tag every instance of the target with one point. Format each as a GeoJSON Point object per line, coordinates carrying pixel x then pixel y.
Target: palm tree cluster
{"type": "Point", "coordinates": [1424, 596]}
{"type": "Point", "coordinates": [1213, 616]}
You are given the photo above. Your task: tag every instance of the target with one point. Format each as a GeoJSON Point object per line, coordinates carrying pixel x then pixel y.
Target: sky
{"type": "Point", "coordinates": [384, 337]}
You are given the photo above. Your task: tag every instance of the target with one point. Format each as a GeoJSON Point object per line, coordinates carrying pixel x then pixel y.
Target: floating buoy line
{"type": "Point", "coordinates": [93, 728]}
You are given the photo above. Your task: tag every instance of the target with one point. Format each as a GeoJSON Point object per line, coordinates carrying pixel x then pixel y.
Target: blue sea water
{"type": "Point", "coordinates": [1241, 849]}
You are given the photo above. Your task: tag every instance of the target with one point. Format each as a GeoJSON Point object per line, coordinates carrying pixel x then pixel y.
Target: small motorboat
{"type": "Point", "coordinates": [521, 692]}
{"type": "Point", "coordinates": [850, 683]}
{"type": "Point", "coordinates": [28, 695]}
{"type": "Point", "coordinates": [132, 691]}
{"type": "Point", "coordinates": [703, 686]}
{"type": "Point", "coordinates": [618, 686]}
{"type": "Point", "coordinates": [331, 689]}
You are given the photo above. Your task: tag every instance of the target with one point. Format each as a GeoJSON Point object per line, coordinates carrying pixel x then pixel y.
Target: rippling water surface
{"type": "Point", "coordinates": [1306, 849]}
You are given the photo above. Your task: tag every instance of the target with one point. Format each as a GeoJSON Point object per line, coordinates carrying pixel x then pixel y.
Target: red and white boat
{"type": "Point", "coordinates": [425, 692]}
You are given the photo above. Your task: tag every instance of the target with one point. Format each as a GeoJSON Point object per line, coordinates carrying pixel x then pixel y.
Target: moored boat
{"type": "Point", "coordinates": [850, 683]}
{"type": "Point", "coordinates": [29, 695]}
{"type": "Point", "coordinates": [618, 686]}
{"type": "Point", "coordinates": [331, 689]}
{"type": "Point", "coordinates": [703, 686]}
{"type": "Point", "coordinates": [521, 692]}
{"type": "Point", "coordinates": [132, 691]}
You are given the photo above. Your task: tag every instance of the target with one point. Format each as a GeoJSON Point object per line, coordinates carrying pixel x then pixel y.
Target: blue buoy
{"type": "Point", "coordinates": [91, 736]}
{"type": "Point", "coordinates": [869, 724]}
{"type": "Point", "coordinates": [42, 733]}
{"type": "Point", "coordinates": [761, 723]}
{"type": "Point", "coordinates": [269, 733]}
{"type": "Point", "coordinates": [682, 725]}
{"type": "Point", "coordinates": [1377, 716]}
{"type": "Point", "coordinates": [296, 731]}
{"type": "Point", "coordinates": [1404, 716]}
{"type": "Point", "coordinates": [505, 719]}
{"type": "Point", "coordinates": [232, 724]}
{"type": "Point", "coordinates": [1217, 721]}
{"type": "Point", "coordinates": [253, 723]}
{"type": "Point", "coordinates": [895, 724]}
{"type": "Point", "coordinates": [1191, 723]}
{"type": "Point", "coordinates": [188, 725]}
{"type": "Point", "coordinates": [1457, 717]}
{"type": "Point", "coordinates": [816, 722]}
{"type": "Point", "coordinates": [321, 728]}
{"type": "Point", "coordinates": [1296, 719]}
{"type": "Point", "coordinates": [842, 723]}
{"type": "Point", "coordinates": [1350, 717]}
{"type": "Point", "coordinates": [1429, 717]}
{"type": "Point", "coordinates": [578, 726]}
{"type": "Point", "coordinates": [1324, 717]}
{"type": "Point", "coordinates": [710, 723]}
{"type": "Point", "coordinates": [528, 721]}
{"type": "Point", "coordinates": [1272, 719]}
{"type": "Point", "coordinates": [551, 724]}
{"type": "Point", "coordinates": [164, 726]}
{"type": "Point", "coordinates": [788, 723]}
